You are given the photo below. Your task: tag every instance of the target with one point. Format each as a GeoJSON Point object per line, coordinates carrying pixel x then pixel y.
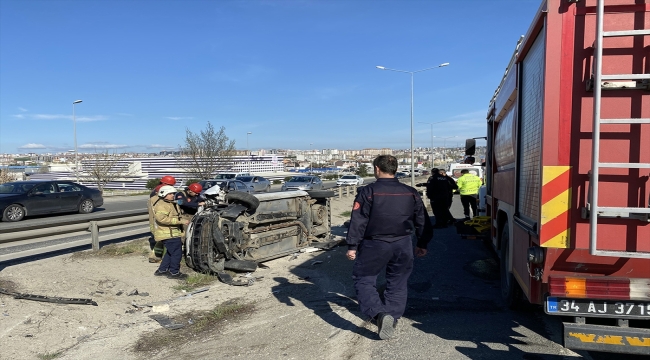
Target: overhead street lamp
{"type": "Point", "coordinates": [412, 72]}
{"type": "Point", "coordinates": [76, 158]}
{"type": "Point", "coordinates": [248, 152]}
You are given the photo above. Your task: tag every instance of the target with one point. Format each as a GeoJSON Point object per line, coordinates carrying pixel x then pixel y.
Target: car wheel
{"type": "Point", "coordinates": [248, 200]}
{"type": "Point", "coordinates": [86, 206]}
{"type": "Point", "coordinates": [13, 213]}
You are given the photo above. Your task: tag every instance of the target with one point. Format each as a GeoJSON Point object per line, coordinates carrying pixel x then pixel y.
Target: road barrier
{"type": "Point", "coordinates": [29, 235]}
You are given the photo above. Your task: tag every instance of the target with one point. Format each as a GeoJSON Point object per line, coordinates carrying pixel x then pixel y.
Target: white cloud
{"type": "Point", "coordinates": [102, 146]}
{"type": "Point", "coordinates": [60, 117]}
{"type": "Point", "coordinates": [22, 109]}
{"type": "Point", "coordinates": [159, 146]}
{"type": "Point", "coordinates": [179, 117]}
{"type": "Point", "coordinates": [33, 146]}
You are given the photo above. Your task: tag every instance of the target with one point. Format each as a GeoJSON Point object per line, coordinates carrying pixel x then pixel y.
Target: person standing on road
{"type": "Point", "coordinates": [438, 193]}
{"type": "Point", "coordinates": [452, 187]}
{"type": "Point", "coordinates": [468, 185]}
{"type": "Point", "coordinates": [168, 230]}
{"type": "Point", "coordinates": [157, 249]}
{"type": "Point", "coordinates": [385, 215]}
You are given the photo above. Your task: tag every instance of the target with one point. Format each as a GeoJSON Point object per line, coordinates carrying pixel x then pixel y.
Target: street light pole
{"type": "Point", "coordinates": [437, 122]}
{"type": "Point", "coordinates": [76, 158]}
{"type": "Point", "coordinates": [248, 151]}
{"type": "Point", "coordinates": [412, 149]}
{"type": "Point", "coordinates": [311, 169]}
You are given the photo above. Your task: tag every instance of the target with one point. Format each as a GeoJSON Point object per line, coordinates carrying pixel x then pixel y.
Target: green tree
{"type": "Point", "coordinates": [209, 152]}
{"type": "Point", "coordinates": [363, 170]}
{"type": "Point", "coordinates": [152, 183]}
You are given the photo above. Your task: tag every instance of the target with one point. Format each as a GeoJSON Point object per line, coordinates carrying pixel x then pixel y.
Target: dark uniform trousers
{"type": "Point", "coordinates": [440, 209]}
{"type": "Point", "coordinates": [372, 256]}
{"type": "Point", "coordinates": [172, 260]}
{"type": "Point", "coordinates": [469, 201]}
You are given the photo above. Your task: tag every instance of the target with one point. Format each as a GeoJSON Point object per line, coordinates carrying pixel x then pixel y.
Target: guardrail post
{"type": "Point", "coordinates": [94, 230]}
{"type": "Point", "coordinates": [341, 192]}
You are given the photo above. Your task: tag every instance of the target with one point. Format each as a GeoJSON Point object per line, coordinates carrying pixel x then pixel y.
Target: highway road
{"type": "Point", "coordinates": [112, 205]}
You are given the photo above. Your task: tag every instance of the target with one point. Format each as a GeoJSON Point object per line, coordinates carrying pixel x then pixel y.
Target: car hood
{"type": "Point", "coordinates": [9, 196]}
{"type": "Point", "coordinates": [294, 183]}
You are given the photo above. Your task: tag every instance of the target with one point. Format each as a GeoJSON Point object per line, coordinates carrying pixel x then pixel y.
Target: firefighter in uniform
{"type": "Point", "coordinates": [190, 200]}
{"type": "Point", "coordinates": [468, 185]}
{"type": "Point", "coordinates": [168, 225]}
{"type": "Point", "coordinates": [384, 217]}
{"type": "Point", "coordinates": [157, 249]}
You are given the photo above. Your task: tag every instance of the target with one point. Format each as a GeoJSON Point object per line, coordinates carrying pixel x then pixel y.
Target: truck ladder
{"type": "Point", "coordinates": [596, 211]}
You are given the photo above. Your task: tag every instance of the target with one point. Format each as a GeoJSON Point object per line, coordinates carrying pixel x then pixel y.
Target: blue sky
{"type": "Point", "coordinates": [293, 73]}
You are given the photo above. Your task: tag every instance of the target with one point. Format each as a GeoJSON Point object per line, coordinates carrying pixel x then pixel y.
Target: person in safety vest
{"type": "Point", "coordinates": [168, 225]}
{"type": "Point", "coordinates": [157, 249]}
{"type": "Point", "coordinates": [468, 185]}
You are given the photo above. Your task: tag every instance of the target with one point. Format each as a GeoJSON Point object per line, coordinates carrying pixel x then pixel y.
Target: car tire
{"type": "Point", "coordinates": [246, 199]}
{"type": "Point", "coordinates": [13, 212]}
{"type": "Point", "coordinates": [86, 206]}
{"type": "Point", "coordinates": [321, 194]}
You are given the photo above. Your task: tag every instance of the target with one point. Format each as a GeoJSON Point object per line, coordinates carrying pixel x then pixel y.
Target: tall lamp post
{"type": "Point", "coordinates": [431, 123]}
{"type": "Point", "coordinates": [411, 72]}
{"type": "Point", "coordinates": [76, 158]}
{"type": "Point", "coordinates": [311, 169]}
{"type": "Point", "coordinates": [444, 145]}
{"type": "Point", "coordinates": [248, 151]}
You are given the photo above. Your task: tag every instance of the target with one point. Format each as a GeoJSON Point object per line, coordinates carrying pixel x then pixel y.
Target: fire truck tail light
{"type": "Point", "coordinates": [600, 288]}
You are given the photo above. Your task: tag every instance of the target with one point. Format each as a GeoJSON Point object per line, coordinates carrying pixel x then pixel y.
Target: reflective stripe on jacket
{"type": "Point", "coordinates": [469, 184]}
{"type": "Point", "coordinates": [167, 222]}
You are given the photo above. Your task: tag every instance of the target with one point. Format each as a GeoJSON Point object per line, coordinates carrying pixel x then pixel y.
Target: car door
{"type": "Point", "coordinates": [242, 187]}
{"type": "Point", "coordinates": [70, 195]}
{"type": "Point", "coordinates": [317, 184]}
{"type": "Point", "coordinates": [43, 199]}
{"type": "Point", "coordinates": [255, 182]}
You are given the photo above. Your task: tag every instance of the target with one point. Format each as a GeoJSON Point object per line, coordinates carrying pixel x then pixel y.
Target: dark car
{"type": "Point", "coordinates": [25, 198]}
{"type": "Point", "coordinates": [400, 175]}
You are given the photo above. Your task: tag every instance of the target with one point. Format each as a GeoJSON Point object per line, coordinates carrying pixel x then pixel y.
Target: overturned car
{"type": "Point", "coordinates": [236, 230]}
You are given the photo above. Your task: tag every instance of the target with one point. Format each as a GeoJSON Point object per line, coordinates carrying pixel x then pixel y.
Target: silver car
{"type": "Point", "coordinates": [303, 183]}
{"type": "Point", "coordinates": [255, 183]}
{"type": "Point", "coordinates": [226, 185]}
{"type": "Point", "coordinates": [349, 180]}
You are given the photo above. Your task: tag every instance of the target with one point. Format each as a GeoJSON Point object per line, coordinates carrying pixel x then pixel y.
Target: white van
{"type": "Point", "coordinates": [231, 175]}
{"type": "Point", "coordinates": [455, 169]}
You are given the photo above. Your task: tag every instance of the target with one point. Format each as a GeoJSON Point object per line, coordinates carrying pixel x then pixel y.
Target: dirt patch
{"type": "Point", "coordinates": [198, 325]}
{"type": "Point", "coordinates": [136, 247]}
{"type": "Point", "coordinates": [8, 285]}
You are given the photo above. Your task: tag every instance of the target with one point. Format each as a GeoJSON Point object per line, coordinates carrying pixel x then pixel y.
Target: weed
{"type": "Point", "coordinates": [196, 280]}
{"type": "Point", "coordinates": [198, 323]}
{"type": "Point", "coordinates": [136, 247]}
{"type": "Point", "coordinates": [346, 213]}
{"type": "Point", "coordinates": [48, 356]}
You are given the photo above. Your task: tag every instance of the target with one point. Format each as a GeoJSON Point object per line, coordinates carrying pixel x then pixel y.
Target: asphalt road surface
{"type": "Point", "coordinates": [454, 311]}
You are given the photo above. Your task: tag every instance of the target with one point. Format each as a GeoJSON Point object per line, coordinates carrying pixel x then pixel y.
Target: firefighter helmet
{"type": "Point", "coordinates": [195, 187]}
{"type": "Point", "coordinates": [168, 180]}
{"type": "Point", "coordinates": [166, 190]}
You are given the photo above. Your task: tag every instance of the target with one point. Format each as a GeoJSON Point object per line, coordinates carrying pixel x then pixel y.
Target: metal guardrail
{"type": "Point", "coordinates": [44, 233]}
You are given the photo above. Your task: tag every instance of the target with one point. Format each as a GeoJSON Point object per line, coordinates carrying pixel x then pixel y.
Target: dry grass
{"type": "Point", "coordinates": [196, 280]}
{"type": "Point", "coordinates": [198, 324]}
{"type": "Point", "coordinates": [48, 356]}
{"type": "Point", "coordinates": [138, 247]}
{"type": "Point", "coordinates": [346, 213]}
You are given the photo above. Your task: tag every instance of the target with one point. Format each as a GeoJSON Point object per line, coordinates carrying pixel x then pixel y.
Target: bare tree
{"type": "Point", "coordinates": [6, 176]}
{"type": "Point", "coordinates": [105, 167]}
{"type": "Point", "coordinates": [207, 152]}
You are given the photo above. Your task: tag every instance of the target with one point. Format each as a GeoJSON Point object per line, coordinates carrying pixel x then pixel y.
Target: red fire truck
{"type": "Point", "coordinates": [568, 171]}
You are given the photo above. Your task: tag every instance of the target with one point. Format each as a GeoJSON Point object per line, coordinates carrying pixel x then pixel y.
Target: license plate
{"type": "Point", "coordinates": [604, 308]}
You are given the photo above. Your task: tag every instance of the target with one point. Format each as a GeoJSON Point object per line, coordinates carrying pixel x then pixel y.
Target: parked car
{"type": "Point", "coordinates": [303, 183]}
{"type": "Point", "coordinates": [400, 175]}
{"type": "Point", "coordinates": [349, 180]}
{"type": "Point", "coordinates": [26, 198]}
{"type": "Point", "coordinates": [231, 175]}
{"type": "Point", "coordinates": [256, 183]}
{"type": "Point", "coordinates": [226, 185]}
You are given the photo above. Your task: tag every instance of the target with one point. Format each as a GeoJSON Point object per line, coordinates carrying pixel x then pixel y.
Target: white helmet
{"type": "Point", "coordinates": [166, 190]}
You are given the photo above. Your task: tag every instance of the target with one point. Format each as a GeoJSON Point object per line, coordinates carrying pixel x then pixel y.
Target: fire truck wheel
{"type": "Point", "coordinates": [510, 291]}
